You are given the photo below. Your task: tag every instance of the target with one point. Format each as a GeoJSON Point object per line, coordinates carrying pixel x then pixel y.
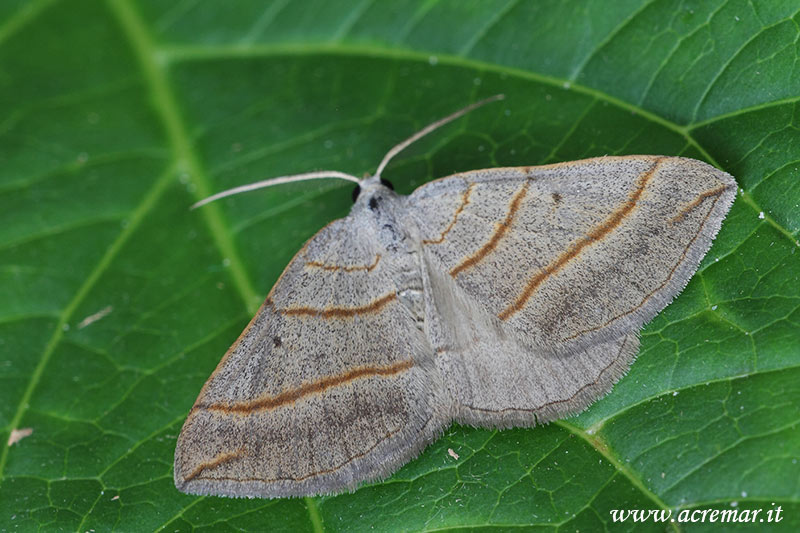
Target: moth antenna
{"type": "Point", "coordinates": [430, 127]}
{"type": "Point", "coordinates": [280, 180]}
{"type": "Point", "coordinates": [341, 175]}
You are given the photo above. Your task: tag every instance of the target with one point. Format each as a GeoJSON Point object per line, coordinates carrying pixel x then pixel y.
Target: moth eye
{"type": "Point", "coordinates": [387, 184]}
{"type": "Point", "coordinates": [356, 192]}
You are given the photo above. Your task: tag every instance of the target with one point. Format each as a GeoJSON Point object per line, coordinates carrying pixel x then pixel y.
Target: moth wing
{"type": "Point", "coordinates": [328, 386]}
{"type": "Point", "coordinates": [539, 278]}
{"type": "Point", "coordinates": [571, 254]}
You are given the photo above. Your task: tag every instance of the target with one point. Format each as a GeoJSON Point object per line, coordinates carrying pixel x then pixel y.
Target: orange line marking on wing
{"type": "Point", "coordinates": [596, 235]}
{"type": "Point", "coordinates": [697, 201]}
{"type": "Point", "coordinates": [345, 268]}
{"type": "Point", "coordinates": [464, 203]}
{"type": "Point", "coordinates": [224, 457]}
{"type": "Point", "coordinates": [318, 472]}
{"type": "Point", "coordinates": [315, 387]}
{"type": "Point", "coordinates": [500, 230]}
{"type": "Point", "coordinates": [664, 284]}
{"type": "Point", "coordinates": [340, 312]}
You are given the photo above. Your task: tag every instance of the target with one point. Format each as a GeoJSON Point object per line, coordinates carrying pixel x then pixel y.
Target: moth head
{"type": "Point", "coordinates": [368, 187]}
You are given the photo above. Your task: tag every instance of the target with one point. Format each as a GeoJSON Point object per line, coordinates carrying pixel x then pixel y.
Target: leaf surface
{"type": "Point", "coordinates": [116, 301]}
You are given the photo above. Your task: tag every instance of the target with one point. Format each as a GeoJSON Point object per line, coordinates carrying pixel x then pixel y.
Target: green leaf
{"type": "Point", "coordinates": [116, 301]}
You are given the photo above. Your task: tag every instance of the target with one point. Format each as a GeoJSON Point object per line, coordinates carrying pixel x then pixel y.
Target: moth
{"type": "Point", "coordinates": [496, 298]}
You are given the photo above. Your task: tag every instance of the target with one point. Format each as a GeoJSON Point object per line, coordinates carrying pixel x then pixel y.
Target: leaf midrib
{"type": "Point", "coordinates": [187, 160]}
